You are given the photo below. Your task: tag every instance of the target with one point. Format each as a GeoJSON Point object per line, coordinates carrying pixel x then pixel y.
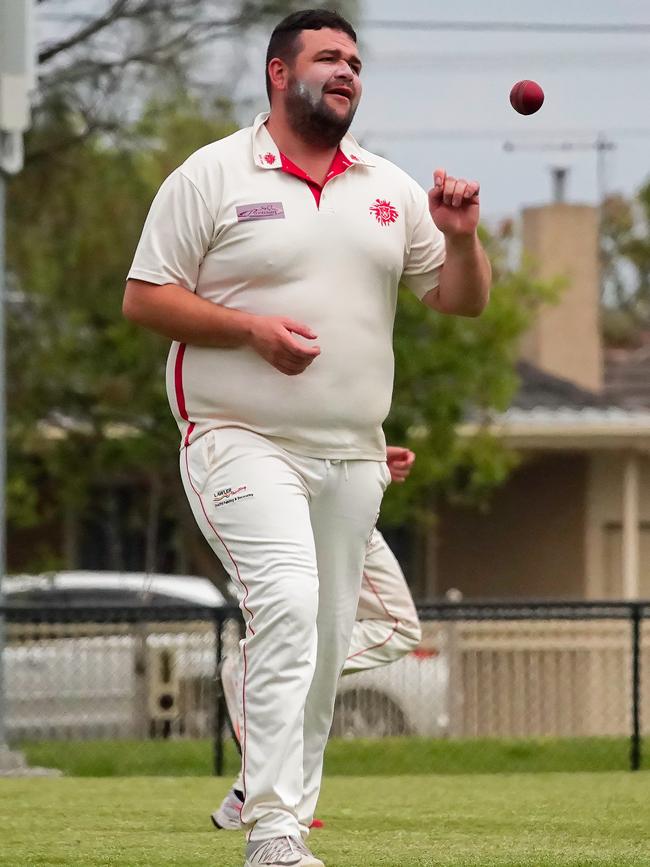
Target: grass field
{"type": "Point", "coordinates": [356, 758]}
{"type": "Point", "coordinates": [519, 820]}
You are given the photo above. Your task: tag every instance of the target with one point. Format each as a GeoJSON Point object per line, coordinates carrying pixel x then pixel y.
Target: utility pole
{"type": "Point", "coordinates": [17, 81]}
{"type": "Point", "coordinates": [601, 145]}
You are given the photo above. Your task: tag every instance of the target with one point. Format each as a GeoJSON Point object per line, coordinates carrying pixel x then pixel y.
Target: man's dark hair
{"type": "Point", "coordinates": [285, 39]}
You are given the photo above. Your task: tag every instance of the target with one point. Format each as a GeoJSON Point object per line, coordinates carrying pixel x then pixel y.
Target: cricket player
{"type": "Point", "coordinates": [386, 629]}
{"type": "Point", "coordinates": [272, 259]}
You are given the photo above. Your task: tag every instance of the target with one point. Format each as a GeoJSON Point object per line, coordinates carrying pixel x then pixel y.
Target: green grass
{"type": "Point", "coordinates": [520, 820]}
{"type": "Point", "coordinates": [356, 758]}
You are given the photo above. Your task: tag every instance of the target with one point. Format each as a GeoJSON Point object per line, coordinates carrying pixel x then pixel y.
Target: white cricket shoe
{"type": "Point", "coordinates": [227, 817]}
{"type": "Point", "coordinates": [280, 852]}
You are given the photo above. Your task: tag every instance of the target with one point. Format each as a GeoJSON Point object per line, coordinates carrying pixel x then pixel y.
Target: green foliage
{"type": "Point", "coordinates": [344, 757]}
{"type": "Point", "coordinates": [116, 109]}
{"type": "Point", "coordinates": [100, 62]}
{"type": "Point", "coordinates": [451, 369]}
{"type": "Point", "coordinates": [626, 266]}
{"type": "Point", "coordinates": [86, 388]}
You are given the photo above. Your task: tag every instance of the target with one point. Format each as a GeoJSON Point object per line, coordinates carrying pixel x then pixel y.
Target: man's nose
{"type": "Point", "coordinates": [344, 71]}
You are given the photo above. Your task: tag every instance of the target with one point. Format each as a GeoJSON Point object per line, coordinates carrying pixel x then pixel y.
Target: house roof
{"type": "Point", "coordinates": [626, 385]}
{"type": "Point", "coordinates": [627, 376]}
{"type": "Point", "coordinates": [549, 412]}
{"type": "Point", "coordinates": [539, 390]}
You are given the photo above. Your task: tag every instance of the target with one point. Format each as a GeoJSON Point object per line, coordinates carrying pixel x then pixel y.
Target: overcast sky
{"type": "Point", "coordinates": [441, 98]}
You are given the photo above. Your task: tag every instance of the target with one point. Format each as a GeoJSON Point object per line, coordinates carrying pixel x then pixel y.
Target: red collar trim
{"type": "Point", "coordinates": [339, 164]}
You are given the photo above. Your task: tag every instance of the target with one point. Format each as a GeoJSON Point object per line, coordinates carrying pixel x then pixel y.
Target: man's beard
{"type": "Point", "coordinates": [312, 119]}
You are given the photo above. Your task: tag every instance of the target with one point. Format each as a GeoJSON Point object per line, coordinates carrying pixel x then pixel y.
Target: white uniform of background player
{"type": "Point", "coordinates": [386, 628]}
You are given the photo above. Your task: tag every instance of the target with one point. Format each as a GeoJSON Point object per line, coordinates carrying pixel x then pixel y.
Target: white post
{"type": "Point", "coordinates": [630, 539]}
{"type": "Point", "coordinates": [17, 81]}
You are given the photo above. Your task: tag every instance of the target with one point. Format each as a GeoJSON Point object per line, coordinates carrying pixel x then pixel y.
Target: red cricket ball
{"type": "Point", "coordinates": [526, 97]}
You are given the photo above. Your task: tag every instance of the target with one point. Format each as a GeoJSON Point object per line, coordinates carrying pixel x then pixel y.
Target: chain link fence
{"type": "Point", "coordinates": [493, 687]}
{"type": "Point", "coordinates": [120, 675]}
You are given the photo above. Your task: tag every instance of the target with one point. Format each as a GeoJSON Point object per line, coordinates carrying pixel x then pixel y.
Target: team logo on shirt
{"type": "Point", "coordinates": [269, 159]}
{"type": "Point", "coordinates": [384, 212]}
{"type": "Point", "coordinates": [230, 495]}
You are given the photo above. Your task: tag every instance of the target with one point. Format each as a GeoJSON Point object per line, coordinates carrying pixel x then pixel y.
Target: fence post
{"type": "Point", "coordinates": [219, 716]}
{"type": "Point", "coordinates": [454, 662]}
{"type": "Point", "coordinates": [141, 675]}
{"type": "Point", "coordinates": [635, 745]}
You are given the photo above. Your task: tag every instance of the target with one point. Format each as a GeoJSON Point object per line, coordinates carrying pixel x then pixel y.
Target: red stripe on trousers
{"type": "Point", "coordinates": [243, 605]}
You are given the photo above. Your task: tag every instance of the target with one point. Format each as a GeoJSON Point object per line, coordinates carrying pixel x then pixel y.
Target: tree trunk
{"type": "Point", "coordinates": [70, 536]}
{"type": "Point", "coordinates": [153, 524]}
{"type": "Point", "coordinates": [115, 551]}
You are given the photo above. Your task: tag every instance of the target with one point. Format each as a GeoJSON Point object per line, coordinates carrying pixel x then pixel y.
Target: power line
{"type": "Point", "coordinates": [601, 145]}
{"type": "Point", "coordinates": [509, 26]}
{"type": "Point", "coordinates": [550, 59]}
{"type": "Point", "coordinates": [501, 134]}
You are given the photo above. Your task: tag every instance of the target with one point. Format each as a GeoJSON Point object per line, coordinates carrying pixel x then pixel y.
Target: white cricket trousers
{"type": "Point", "coordinates": [387, 626]}
{"type": "Point", "coordinates": [292, 532]}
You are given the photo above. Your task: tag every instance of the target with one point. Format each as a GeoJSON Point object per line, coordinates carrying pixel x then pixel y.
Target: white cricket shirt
{"type": "Point", "coordinates": [234, 225]}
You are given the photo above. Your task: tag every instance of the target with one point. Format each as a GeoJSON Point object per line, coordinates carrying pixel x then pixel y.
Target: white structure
{"type": "Point", "coordinates": [17, 79]}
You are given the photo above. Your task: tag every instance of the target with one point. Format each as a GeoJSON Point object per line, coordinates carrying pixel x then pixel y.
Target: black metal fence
{"type": "Point", "coordinates": [560, 669]}
{"type": "Point", "coordinates": [129, 673]}
{"type": "Point", "coordinates": [494, 686]}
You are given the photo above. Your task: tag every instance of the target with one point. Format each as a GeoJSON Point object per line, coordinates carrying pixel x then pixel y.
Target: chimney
{"type": "Point", "coordinates": [561, 240]}
{"type": "Point", "coordinates": [559, 174]}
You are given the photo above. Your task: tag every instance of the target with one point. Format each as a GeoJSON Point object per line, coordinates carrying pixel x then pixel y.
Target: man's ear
{"type": "Point", "coordinates": [278, 73]}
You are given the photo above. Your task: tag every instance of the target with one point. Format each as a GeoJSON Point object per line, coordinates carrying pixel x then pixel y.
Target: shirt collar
{"type": "Point", "coordinates": [267, 156]}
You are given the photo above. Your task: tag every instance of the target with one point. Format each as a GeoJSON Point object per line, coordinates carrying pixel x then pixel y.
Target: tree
{"type": "Point", "coordinates": [102, 61]}
{"type": "Point", "coordinates": [449, 370]}
{"type": "Point", "coordinates": [87, 407]}
{"type": "Point", "coordinates": [86, 388]}
{"type": "Point", "coordinates": [626, 266]}
{"type": "Point", "coordinates": [117, 108]}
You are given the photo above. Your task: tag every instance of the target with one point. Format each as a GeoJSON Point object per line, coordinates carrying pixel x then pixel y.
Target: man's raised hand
{"type": "Point", "coordinates": [454, 204]}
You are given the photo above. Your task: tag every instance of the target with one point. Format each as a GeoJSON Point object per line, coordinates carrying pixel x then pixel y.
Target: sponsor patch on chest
{"type": "Point", "coordinates": [260, 211]}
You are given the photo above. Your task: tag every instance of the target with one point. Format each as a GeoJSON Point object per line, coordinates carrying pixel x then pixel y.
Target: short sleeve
{"type": "Point", "coordinates": [426, 253]}
{"type": "Point", "coordinates": [176, 235]}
